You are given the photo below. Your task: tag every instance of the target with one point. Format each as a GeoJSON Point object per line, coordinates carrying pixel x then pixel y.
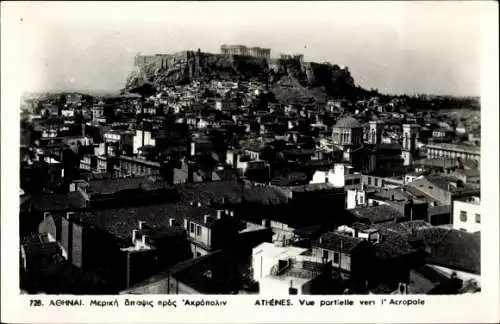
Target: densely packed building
{"type": "Point", "coordinates": [217, 187]}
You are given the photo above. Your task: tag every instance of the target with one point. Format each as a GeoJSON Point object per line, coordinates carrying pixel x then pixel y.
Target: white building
{"type": "Point", "coordinates": [467, 215]}
{"type": "Point", "coordinates": [142, 138]}
{"type": "Point", "coordinates": [360, 231]}
{"type": "Point", "coordinates": [225, 105]}
{"type": "Point", "coordinates": [266, 259]}
{"type": "Point", "coordinates": [356, 198]}
{"type": "Point", "coordinates": [340, 176]}
{"type": "Point", "coordinates": [121, 137]}
{"type": "Point", "coordinates": [410, 177]}
{"type": "Point", "coordinates": [49, 133]}
{"type": "Point", "coordinates": [68, 113]}
{"type": "Point", "coordinates": [75, 141]}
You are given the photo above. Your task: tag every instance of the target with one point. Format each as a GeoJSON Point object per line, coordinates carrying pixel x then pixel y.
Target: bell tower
{"type": "Point", "coordinates": [410, 133]}
{"type": "Point", "coordinates": [375, 132]}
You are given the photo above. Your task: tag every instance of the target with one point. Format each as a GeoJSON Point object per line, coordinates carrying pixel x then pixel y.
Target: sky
{"type": "Point", "coordinates": [396, 47]}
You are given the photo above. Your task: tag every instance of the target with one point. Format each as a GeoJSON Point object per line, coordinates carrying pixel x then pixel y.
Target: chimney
{"type": "Point", "coordinates": [206, 218]}
{"type": "Point", "coordinates": [171, 222]}
{"type": "Point", "coordinates": [69, 215]}
{"type": "Point", "coordinates": [45, 215]}
{"type": "Point", "coordinates": [231, 213]}
{"type": "Point", "coordinates": [219, 213]}
{"type": "Point", "coordinates": [193, 149]}
{"type": "Point", "coordinates": [134, 236]}
{"type": "Point", "coordinates": [185, 223]}
{"type": "Point", "coordinates": [321, 240]}
{"type": "Point", "coordinates": [144, 240]}
{"type": "Point", "coordinates": [141, 225]}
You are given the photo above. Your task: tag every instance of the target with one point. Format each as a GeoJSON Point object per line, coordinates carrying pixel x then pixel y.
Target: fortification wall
{"type": "Point", "coordinates": [162, 59]}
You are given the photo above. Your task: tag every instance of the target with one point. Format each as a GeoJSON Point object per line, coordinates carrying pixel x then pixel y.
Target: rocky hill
{"type": "Point", "coordinates": [283, 76]}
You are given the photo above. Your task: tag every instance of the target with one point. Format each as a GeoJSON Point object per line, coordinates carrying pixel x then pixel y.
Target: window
{"type": "Point", "coordinates": [369, 181]}
{"type": "Point", "coordinates": [336, 257]}
{"type": "Point", "coordinates": [198, 254]}
{"type": "Point", "coordinates": [198, 230]}
{"type": "Point", "coordinates": [361, 202]}
{"type": "Point", "coordinates": [356, 181]}
{"type": "Point", "coordinates": [478, 218]}
{"type": "Point", "coordinates": [191, 229]}
{"type": "Point", "coordinates": [463, 216]}
{"type": "Point", "coordinates": [376, 182]}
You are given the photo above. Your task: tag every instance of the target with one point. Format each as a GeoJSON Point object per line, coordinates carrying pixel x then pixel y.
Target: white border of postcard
{"type": "Point", "coordinates": [482, 307]}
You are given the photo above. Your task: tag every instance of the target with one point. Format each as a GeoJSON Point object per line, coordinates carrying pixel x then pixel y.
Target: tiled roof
{"type": "Point", "coordinates": [337, 242]}
{"type": "Point", "coordinates": [470, 164]}
{"type": "Point", "coordinates": [402, 228]}
{"type": "Point", "coordinates": [392, 245]}
{"type": "Point", "coordinates": [415, 225]}
{"type": "Point", "coordinates": [399, 195]}
{"type": "Point", "coordinates": [452, 249]}
{"type": "Point", "coordinates": [376, 214]}
{"type": "Point", "coordinates": [121, 221]}
{"type": "Point", "coordinates": [215, 273]}
{"type": "Point", "coordinates": [315, 187]}
{"type": "Point", "coordinates": [58, 202]}
{"type": "Point", "coordinates": [417, 193]}
{"type": "Point", "coordinates": [390, 227]}
{"type": "Point", "coordinates": [109, 186]}
{"type": "Point", "coordinates": [360, 226]}
{"type": "Point", "coordinates": [470, 173]}
{"type": "Point", "coordinates": [347, 122]}
{"type": "Point", "coordinates": [231, 191]}
{"type": "Point", "coordinates": [441, 182]}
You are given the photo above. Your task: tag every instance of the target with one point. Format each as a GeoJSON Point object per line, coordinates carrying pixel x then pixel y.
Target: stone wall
{"type": "Point", "coordinates": [162, 59]}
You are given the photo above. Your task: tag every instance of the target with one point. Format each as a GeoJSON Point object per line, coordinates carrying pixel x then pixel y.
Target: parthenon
{"type": "Point", "coordinates": [246, 51]}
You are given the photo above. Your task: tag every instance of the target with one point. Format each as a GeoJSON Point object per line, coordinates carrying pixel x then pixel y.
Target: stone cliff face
{"type": "Point", "coordinates": [184, 67]}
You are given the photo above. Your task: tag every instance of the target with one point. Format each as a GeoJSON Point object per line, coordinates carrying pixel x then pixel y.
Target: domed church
{"type": "Point", "coordinates": [347, 132]}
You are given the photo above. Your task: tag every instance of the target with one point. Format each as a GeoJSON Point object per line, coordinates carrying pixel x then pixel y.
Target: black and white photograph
{"type": "Point", "coordinates": [262, 149]}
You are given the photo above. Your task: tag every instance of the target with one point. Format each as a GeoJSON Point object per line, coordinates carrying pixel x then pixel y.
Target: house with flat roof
{"type": "Point", "coordinates": [467, 214]}
{"type": "Point", "coordinates": [288, 270]}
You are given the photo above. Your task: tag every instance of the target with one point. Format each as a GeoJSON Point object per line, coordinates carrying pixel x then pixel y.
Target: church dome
{"type": "Point", "coordinates": [347, 122]}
